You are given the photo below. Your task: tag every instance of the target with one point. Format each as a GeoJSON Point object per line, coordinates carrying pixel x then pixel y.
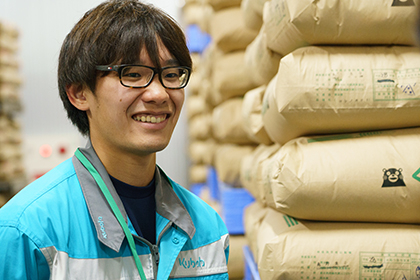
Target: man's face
{"type": "Point", "coordinates": [137, 121]}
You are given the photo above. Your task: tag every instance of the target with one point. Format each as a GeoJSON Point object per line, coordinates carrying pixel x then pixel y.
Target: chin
{"type": "Point", "coordinates": [148, 145]}
{"type": "Point", "coordinates": [155, 148]}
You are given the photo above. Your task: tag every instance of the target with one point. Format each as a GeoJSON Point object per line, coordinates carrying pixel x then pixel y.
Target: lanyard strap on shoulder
{"type": "Point", "coordinates": [86, 163]}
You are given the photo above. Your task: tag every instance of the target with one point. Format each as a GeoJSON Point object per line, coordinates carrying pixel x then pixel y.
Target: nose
{"type": "Point", "coordinates": [155, 92]}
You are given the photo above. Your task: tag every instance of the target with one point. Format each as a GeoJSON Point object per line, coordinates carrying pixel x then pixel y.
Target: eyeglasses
{"type": "Point", "coordinates": [140, 76]}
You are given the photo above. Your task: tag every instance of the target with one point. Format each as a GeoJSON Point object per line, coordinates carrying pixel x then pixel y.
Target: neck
{"type": "Point", "coordinates": [130, 168]}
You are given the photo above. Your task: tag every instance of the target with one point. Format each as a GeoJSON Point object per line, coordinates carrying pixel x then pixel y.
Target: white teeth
{"type": "Point", "coordinates": [150, 119]}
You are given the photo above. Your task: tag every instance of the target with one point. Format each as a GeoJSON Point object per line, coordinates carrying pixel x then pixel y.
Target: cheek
{"type": "Point", "coordinates": [179, 100]}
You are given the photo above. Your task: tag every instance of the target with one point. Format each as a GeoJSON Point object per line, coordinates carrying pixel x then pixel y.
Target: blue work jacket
{"type": "Point", "coordinates": [61, 227]}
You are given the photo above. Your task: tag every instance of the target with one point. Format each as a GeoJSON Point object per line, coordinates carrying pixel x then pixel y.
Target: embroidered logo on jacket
{"type": "Point", "coordinates": [191, 263]}
{"type": "Point", "coordinates": [101, 223]}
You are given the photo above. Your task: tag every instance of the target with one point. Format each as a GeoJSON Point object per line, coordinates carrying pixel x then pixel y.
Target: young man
{"type": "Point", "coordinates": [121, 74]}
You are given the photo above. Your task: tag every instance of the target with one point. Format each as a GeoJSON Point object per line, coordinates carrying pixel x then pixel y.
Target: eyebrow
{"type": "Point", "coordinates": [169, 62]}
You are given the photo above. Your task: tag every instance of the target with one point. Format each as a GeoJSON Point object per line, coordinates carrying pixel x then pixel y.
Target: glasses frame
{"type": "Point", "coordinates": [119, 68]}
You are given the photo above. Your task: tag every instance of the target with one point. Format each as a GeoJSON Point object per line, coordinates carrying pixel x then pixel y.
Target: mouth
{"type": "Point", "coordinates": [148, 118]}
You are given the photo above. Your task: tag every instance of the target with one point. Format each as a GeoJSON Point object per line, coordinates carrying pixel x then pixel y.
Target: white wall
{"type": "Point", "coordinates": [43, 25]}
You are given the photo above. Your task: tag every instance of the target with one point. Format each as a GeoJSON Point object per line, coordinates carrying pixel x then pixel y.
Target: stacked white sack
{"type": "Point", "coordinates": [291, 24]}
{"type": "Point", "coordinates": [326, 90]}
{"type": "Point", "coordinates": [227, 162]}
{"type": "Point", "coordinates": [262, 65]}
{"type": "Point", "coordinates": [197, 12]}
{"type": "Point", "coordinates": [287, 248]}
{"type": "Point", "coordinates": [10, 78]}
{"type": "Point", "coordinates": [229, 82]}
{"type": "Point", "coordinates": [230, 77]}
{"type": "Point", "coordinates": [11, 155]}
{"type": "Point", "coordinates": [253, 170]}
{"type": "Point", "coordinates": [218, 5]}
{"type": "Point", "coordinates": [252, 118]}
{"type": "Point", "coordinates": [228, 30]}
{"type": "Point", "coordinates": [330, 84]}
{"type": "Point", "coordinates": [199, 123]}
{"type": "Point", "coordinates": [261, 62]}
{"type": "Point", "coordinates": [253, 13]}
{"type": "Point", "coordinates": [234, 143]}
{"type": "Point", "coordinates": [12, 172]}
{"type": "Point", "coordinates": [364, 177]}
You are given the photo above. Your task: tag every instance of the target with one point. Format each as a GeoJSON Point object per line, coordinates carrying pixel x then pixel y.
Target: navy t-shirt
{"type": "Point", "coordinates": [140, 205]}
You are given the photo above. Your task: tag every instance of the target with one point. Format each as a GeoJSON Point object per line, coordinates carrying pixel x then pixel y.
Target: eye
{"type": "Point", "coordinates": [132, 74]}
{"type": "Point", "coordinates": [172, 74]}
{"type": "Point", "coordinates": [136, 72]}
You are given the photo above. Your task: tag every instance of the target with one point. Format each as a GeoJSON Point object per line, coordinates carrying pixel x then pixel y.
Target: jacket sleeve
{"type": "Point", "coordinates": [20, 257]}
{"type": "Point", "coordinates": [227, 251]}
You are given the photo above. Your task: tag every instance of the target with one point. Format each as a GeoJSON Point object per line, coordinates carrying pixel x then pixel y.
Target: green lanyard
{"type": "Point", "coordinates": [114, 208]}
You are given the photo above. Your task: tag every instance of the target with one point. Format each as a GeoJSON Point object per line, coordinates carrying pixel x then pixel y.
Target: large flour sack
{"type": "Point", "coordinates": [254, 214]}
{"type": "Point", "coordinates": [200, 127]}
{"type": "Point", "coordinates": [326, 90]}
{"type": "Point", "coordinates": [10, 75]}
{"type": "Point", "coordinates": [9, 36]}
{"type": "Point", "coordinates": [252, 169]}
{"type": "Point", "coordinates": [197, 13]}
{"type": "Point", "coordinates": [236, 259]}
{"type": "Point", "coordinates": [292, 24]}
{"type": "Point", "coordinates": [223, 4]}
{"type": "Point", "coordinates": [252, 118]}
{"type": "Point", "coordinates": [227, 162]}
{"type": "Point", "coordinates": [227, 123]}
{"type": "Point", "coordinates": [369, 177]}
{"type": "Point", "coordinates": [295, 249]}
{"type": "Point", "coordinates": [196, 105]}
{"type": "Point", "coordinates": [228, 30]}
{"type": "Point", "coordinates": [253, 13]}
{"type": "Point", "coordinates": [202, 151]}
{"type": "Point", "coordinates": [262, 62]}
{"type": "Point", "coordinates": [252, 18]}
{"type": "Point", "coordinates": [230, 77]}
{"type": "Point", "coordinates": [10, 92]}
{"type": "Point", "coordinates": [197, 173]}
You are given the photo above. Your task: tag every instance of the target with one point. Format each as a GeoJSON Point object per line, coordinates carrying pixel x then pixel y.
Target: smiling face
{"type": "Point", "coordinates": [133, 121]}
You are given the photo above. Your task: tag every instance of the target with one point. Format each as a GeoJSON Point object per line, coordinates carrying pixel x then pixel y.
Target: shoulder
{"type": "Point", "coordinates": [41, 204]}
{"type": "Point", "coordinates": [39, 189]}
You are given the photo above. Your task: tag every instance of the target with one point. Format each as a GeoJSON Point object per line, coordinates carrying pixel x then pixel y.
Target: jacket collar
{"type": "Point", "coordinates": [108, 229]}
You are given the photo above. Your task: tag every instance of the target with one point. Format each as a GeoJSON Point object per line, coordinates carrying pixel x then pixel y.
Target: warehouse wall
{"type": "Point", "coordinates": [43, 24]}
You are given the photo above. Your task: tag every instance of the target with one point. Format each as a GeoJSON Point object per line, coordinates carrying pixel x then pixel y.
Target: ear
{"type": "Point", "coordinates": [77, 96]}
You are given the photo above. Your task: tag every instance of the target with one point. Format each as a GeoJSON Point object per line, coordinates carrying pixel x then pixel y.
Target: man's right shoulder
{"type": "Point", "coordinates": [41, 195]}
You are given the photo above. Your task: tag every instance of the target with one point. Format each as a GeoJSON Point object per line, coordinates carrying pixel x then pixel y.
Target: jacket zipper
{"type": "Point", "coordinates": [155, 252]}
{"type": "Point", "coordinates": [154, 249]}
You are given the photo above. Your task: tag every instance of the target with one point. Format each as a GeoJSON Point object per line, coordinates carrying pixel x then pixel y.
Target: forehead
{"type": "Point", "coordinates": [165, 57]}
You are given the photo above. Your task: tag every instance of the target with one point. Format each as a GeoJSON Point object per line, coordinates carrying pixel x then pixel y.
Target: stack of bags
{"type": "Point", "coordinates": [337, 191]}
{"type": "Point", "coordinates": [218, 139]}
{"type": "Point", "coordinates": [201, 145]}
{"type": "Point", "coordinates": [227, 82]}
{"type": "Point", "coordinates": [11, 162]}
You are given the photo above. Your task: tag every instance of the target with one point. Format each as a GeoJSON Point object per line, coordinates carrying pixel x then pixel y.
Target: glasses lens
{"type": "Point", "coordinates": [136, 76]}
{"type": "Point", "coordinates": [175, 77]}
